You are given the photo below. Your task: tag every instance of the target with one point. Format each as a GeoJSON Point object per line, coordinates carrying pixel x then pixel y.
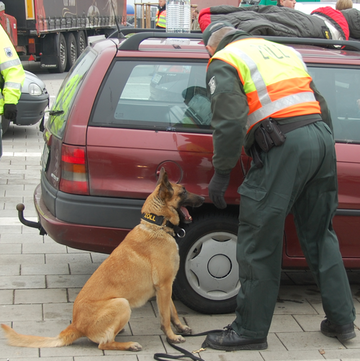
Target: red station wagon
{"type": "Point", "coordinates": [130, 106]}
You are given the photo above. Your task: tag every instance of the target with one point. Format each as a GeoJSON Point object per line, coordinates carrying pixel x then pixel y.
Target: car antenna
{"type": "Point", "coordinates": [120, 34]}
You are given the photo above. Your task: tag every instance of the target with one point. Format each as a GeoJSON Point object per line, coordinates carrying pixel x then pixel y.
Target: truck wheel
{"type": "Point", "coordinates": [72, 50]}
{"type": "Point", "coordinates": [208, 277]}
{"type": "Point", "coordinates": [61, 53]}
{"type": "Point", "coordinates": [81, 42]}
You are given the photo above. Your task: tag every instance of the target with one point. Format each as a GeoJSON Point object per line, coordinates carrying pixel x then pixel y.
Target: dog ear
{"type": "Point", "coordinates": [161, 175]}
{"type": "Point", "coordinates": [165, 189]}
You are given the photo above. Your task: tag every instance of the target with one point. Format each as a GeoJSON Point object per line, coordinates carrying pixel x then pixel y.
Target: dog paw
{"type": "Point", "coordinates": [176, 339]}
{"type": "Point", "coordinates": [183, 329]}
{"type": "Point", "coordinates": [186, 330]}
{"type": "Point", "coordinates": [135, 347]}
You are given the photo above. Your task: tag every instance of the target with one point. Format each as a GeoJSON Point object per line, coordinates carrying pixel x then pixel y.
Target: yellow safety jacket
{"type": "Point", "coordinates": [274, 78]}
{"type": "Point", "coordinates": [161, 19]}
{"type": "Point", "coordinates": [12, 72]}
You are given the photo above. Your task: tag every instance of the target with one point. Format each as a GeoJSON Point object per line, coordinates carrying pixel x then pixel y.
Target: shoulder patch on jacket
{"type": "Point", "coordinates": [8, 52]}
{"type": "Point", "coordinates": [212, 85]}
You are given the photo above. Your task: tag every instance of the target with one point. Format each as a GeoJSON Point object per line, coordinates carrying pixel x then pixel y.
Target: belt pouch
{"type": "Point", "coordinates": [269, 135]}
{"type": "Point", "coordinates": [263, 139]}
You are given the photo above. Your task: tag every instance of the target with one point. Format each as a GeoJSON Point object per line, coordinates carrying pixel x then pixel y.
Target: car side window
{"type": "Point", "coordinates": [154, 95]}
{"type": "Point", "coordinates": [340, 88]}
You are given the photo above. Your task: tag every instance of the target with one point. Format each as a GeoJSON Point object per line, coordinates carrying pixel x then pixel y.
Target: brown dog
{"type": "Point", "coordinates": [142, 266]}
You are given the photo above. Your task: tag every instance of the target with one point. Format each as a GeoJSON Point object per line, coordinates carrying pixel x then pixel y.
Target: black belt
{"type": "Point", "coordinates": [288, 127]}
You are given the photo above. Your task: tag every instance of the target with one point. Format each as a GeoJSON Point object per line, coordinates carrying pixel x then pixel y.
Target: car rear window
{"type": "Point", "coordinates": [67, 93]}
{"type": "Point", "coordinates": [164, 95]}
{"type": "Point", "coordinates": [340, 87]}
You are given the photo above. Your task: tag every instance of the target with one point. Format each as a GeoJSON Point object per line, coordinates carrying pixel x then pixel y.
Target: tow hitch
{"type": "Point", "coordinates": [20, 208]}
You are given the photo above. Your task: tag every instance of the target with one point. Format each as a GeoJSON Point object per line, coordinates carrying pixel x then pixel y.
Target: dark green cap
{"type": "Point", "coordinates": [213, 27]}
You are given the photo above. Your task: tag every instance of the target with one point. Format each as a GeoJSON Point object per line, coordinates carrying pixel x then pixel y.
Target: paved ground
{"type": "Point", "coordinates": [39, 280]}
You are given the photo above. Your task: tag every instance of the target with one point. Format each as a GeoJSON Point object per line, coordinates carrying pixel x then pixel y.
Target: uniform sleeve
{"type": "Point", "coordinates": [12, 71]}
{"type": "Point", "coordinates": [230, 109]}
{"type": "Point", "coordinates": [325, 112]}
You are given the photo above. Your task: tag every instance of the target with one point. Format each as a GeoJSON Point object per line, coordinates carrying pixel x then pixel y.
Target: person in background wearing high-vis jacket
{"type": "Point", "coordinates": [263, 98]}
{"type": "Point", "coordinates": [12, 79]}
{"type": "Point", "coordinates": [160, 21]}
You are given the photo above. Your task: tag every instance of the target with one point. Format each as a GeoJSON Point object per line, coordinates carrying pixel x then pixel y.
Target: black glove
{"type": "Point", "coordinates": [217, 189]}
{"type": "Point", "coordinates": [10, 111]}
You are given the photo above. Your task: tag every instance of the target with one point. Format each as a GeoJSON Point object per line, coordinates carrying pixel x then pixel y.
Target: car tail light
{"type": "Point", "coordinates": [74, 178]}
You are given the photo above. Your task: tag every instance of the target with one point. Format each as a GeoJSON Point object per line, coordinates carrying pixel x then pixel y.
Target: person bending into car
{"type": "Point", "coordinates": [262, 97]}
{"type": "Point", "coordinates": [12, 79]}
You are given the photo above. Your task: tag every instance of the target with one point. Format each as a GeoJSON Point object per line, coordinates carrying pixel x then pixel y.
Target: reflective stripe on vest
{"type": "Point", "coordinates": [274, 77]}
{"type": "Point", "coordinates": [9, 64]}
{"type": "Point", "coordinates": [13, 85]}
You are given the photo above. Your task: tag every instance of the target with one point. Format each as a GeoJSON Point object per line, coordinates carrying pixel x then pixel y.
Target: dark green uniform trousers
{"type": "Point", "coordinates": [298, 176]}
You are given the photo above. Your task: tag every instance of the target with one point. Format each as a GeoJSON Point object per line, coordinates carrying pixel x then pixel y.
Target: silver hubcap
{"type": "Point", "coordinates": [82, 45]}
{"type": "Point", "coordinates": [211, 267]}
{"type": "Point", "coordinates": [73, 51]}
{"type": "Point", "coordinates": [62, 53]}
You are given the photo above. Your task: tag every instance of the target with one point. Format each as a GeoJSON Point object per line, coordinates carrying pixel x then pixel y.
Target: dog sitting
{"type": "Point", "coordinates": [142, 266]}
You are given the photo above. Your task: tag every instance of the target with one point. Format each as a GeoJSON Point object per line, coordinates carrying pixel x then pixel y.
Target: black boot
{"type": "Point", "coordinates": [229, 340]}
{"type": "Point", "coordinates": [342, 332]}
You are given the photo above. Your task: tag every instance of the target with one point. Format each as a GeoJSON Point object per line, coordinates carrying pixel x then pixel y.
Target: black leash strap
{"type": "Point", "coordinates": [183, 353]}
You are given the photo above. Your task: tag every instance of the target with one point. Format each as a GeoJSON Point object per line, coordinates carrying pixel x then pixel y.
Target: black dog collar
{"type": "Point", "coordinates": [153, 218]}
{"type": "Point", "coordinates": [158, 220]}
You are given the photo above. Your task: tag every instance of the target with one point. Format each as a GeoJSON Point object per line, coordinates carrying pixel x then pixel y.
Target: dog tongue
{"type": "Point", "coordinates": [186, 214]}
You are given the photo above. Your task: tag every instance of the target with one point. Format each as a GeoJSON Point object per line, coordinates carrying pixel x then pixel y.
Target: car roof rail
{"type": "Point", "coordinates": [324, 43]}
{"type": "Point", "coordinates": [134, 41]}
{"type": "Point", "coordinates": [140, 34]}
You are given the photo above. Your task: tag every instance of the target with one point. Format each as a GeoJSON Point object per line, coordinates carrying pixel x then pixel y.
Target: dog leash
{"type": "Point", "coordinates": [183, 353]}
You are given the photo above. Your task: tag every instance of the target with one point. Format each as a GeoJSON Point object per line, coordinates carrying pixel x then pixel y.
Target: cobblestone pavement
{"type": "Point", "coordinates": [39, 280]}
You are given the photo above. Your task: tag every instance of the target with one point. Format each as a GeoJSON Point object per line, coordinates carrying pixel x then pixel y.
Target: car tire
{"type": "Point", "coordinates": [208, 277]}
{"type": "Point", "coordinates": [5, 124]}
{"type": "Point", "coordinates": [72, 50]}
{"type": "Point", "coordinates": [81, 42]}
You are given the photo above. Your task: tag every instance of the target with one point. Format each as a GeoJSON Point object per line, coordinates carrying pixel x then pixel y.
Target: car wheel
{"type": "Point", "coordinates": [81, 42]}
{"type": "Point", "coordinates": [208, 277]}
{"type": "Point", "coordinates": [5, 123]}
{"type": "Point", "coordinates": [72, 50]}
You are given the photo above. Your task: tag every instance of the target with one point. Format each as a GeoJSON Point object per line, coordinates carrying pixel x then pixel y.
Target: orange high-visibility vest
{"type": "Point", "coordinates": [161, 19]}
{"type": "Point", "coordinates": [274, 77]}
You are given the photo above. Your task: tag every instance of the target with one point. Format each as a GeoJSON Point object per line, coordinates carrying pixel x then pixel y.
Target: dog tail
{"type": "Point", "coordinates": [66, 337]}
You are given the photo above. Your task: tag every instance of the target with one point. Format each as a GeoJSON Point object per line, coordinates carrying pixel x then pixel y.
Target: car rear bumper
{"type": "Point", "coordinates": [91, 210]}
{"type": "Point", "coordinates": [81, 236]}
